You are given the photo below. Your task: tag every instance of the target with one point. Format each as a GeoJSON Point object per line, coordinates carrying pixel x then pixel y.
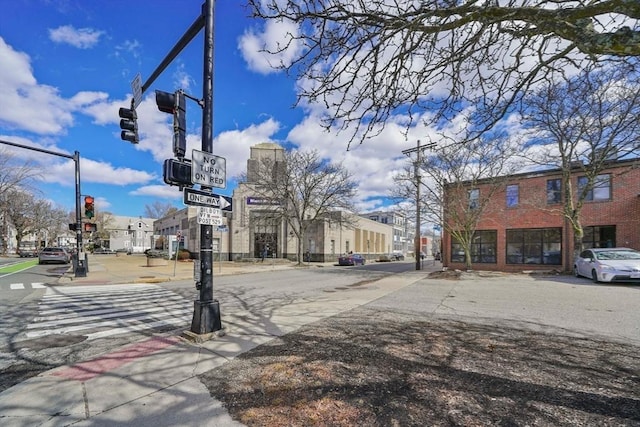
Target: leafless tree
{"type": "Point", "coordinates": [580, 126]}
{"type": "Point", "coordinates": [52, 222]}
{"type": "Point", "coordinates": [104, 221]}
{"type": "Point", "coordinates": [22, 212]}
{"type": "Point", "coordinates": [367, 60]}
{"type": "Point", "coordinates": [459, 182]}
{"type": "Point", "coordinates": [308, 189]}
{"type": "Point", "coordinates": [159, 210]}
{"type": "Point", "coordinates": [14, 174]}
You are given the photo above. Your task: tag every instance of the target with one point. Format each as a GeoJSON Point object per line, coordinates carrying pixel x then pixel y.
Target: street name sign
{"type": "Point", "coordinates": [208, 170]}
{"type": "Point", "coordinates": [209, 216]}
{"type": "Point", "coordinates": [136, 88]}
{"type": "Point", "coordinates": [202, 198]}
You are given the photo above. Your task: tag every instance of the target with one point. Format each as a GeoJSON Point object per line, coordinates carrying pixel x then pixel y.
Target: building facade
{"type": "Point", "coordinates": [403, 236]}
{"type": "Point", "coordinates": [523, 228]}
{"type": "Point", "coordinates": [128, 233]}
{"type": "Point", "coordinates": [255, 225]}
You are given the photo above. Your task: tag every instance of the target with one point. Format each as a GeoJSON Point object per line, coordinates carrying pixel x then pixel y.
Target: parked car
{"type": "Point", "coordinates": [54, 254]}
{"type": "Point", "coordinates": [103, 251]}
{"type": "Point", "coordinates": [608, 265]}
{"type": "Point", "coordinates": [351, 259]}
{"type": "Point", "coordinates": [397, 256]}
{"type": "Point", "coordinates": [28, 251]}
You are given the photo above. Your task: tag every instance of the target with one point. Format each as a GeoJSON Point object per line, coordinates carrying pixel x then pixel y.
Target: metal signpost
{"type": "Point", "coordinates": [210, 169]}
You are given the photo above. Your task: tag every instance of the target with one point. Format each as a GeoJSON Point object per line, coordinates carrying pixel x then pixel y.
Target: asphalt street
{"type": "Point", "coordinates": [257, 307]}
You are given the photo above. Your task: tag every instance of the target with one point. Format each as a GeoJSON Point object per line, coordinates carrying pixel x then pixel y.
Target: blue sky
{"type": "Point", "coordinates": [67, 67]}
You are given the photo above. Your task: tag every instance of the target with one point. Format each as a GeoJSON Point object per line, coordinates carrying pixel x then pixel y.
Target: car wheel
{"type": "Point", "coordinates": [594, 276]}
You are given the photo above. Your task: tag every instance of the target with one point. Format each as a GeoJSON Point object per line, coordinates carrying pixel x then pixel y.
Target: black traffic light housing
{"type": "Point", "coordinates": [177, 172]}
{"type": "Point", "coordinates": [89, 207]}
{"type": "Point", "coordinates": [174, 103]}
{"type": "Point", "coordinates": [89, 227]}
{"type": "Point", "coordinates": [129, 125]}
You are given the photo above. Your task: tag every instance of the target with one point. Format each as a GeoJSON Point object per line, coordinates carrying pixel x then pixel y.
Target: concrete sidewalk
{"type": "Point", "coordinates": [155, 382]}
{"type": "Point", "coordinates": [105, 269]}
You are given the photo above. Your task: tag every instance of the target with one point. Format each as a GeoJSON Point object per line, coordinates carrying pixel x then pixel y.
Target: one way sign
{"type": "Point", "coordinates": [202, 198]}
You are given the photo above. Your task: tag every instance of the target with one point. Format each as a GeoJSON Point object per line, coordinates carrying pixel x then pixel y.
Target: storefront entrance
{"type": "Point", "coordinates": [265, 235]}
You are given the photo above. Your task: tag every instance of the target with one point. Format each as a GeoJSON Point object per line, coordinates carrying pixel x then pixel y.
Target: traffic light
{"type": "Point", "coordinates": [89, 208]}
{"type": "Point", "coordinates": [174, 103]}
{"type": "Point", "coordinates": [89, 227]}
{"type": "Point", "coordinates": [177, 172]}
{"type": "Point", "coordinates": [129, 125]}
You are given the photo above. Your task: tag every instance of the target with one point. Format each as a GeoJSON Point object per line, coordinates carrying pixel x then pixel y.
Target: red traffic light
{"type": "Point", "coordinates": [89, 208]}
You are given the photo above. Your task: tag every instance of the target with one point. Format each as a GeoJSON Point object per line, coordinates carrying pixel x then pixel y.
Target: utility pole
{"type": "Point", "coordinates": [416, 171]}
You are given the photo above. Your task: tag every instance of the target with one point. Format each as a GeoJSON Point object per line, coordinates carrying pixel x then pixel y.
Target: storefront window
{"type": "Point", "coordinates": [534, 246]}
{"type": "Point", "coordinates": [483, 248]}
{"type": "Point", "coordinates": [603, 236]}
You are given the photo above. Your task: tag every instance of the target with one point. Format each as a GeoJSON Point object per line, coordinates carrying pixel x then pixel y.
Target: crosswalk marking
{"type": "Point", "coordinates": [35, 285]}
{"type": "Point", "coordinates": [102, 311]}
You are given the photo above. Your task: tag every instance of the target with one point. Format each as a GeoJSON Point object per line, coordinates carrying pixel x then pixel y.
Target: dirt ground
{"type": "Point", "coordinates": [372, 368]}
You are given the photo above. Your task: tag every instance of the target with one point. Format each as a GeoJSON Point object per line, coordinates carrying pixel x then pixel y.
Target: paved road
{"type": "Point", "coordinates": [558, 304]}
{"type": "Point", "coordinates": [57, 325]}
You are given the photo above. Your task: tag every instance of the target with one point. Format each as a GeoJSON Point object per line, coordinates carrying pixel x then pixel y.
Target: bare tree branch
{"type": "Point", "coordinates": [588, 120]}
{"type": "Point", "coordinates": [367, 60]}
{"type": "Point", "coordinates": [307, 188]}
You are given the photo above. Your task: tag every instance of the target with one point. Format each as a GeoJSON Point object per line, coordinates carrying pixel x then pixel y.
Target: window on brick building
{"type": "Point", "coordinates": [601, 187]}
{"type": "Point", "coordinates": [554, 191]}
{"type": "Point", "coordinates": [513, 195]}
{"type": "Point", "coordinates": [601, 236]}
{"type": "Point", "coordinates": [474, 195]}
{"type": "Point", "coordinates": [534, 246]}
{"type": "Point", "coordinates": [483, 247]}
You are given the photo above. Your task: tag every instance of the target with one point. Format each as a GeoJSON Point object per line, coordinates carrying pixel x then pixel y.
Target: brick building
{"type": "Point", "coordinates": [522, 226]}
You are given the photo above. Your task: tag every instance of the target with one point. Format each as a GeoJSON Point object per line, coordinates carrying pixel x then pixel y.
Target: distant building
{"type": "Point", "coordinates": [403, 235]}
{"type": "Point", "coordinates": [133, 234]}
{"type": "Point", "coordinates": [254, 226]}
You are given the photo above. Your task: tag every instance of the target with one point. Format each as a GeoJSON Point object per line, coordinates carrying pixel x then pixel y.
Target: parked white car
{"type": "Point", "coordinates": [608, 265]}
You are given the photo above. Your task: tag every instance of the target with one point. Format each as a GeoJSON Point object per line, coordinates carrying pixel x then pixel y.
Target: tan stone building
{"type": "Point", "coordinates": [254, 226]}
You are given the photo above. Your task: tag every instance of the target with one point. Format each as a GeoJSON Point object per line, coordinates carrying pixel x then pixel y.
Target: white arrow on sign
{"type": "Point", "coordinates": [202, 198]}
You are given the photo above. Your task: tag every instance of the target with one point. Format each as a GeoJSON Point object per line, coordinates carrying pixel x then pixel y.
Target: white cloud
{"type": "Point", "coordinates": [35, 107]}
{"type": "Point", "coordinates": [160, 191]}
{"type": "Point", "coordinates": [82, 38]}
{"type": "Point", "coordinates": [63, 172]}
{"type": "Point", "coordinates": [270, 47]}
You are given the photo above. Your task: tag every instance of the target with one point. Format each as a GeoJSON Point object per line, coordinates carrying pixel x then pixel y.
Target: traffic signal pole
{"type": "Point", "coordinates": [206, 313]}
{"type": "Point", "coordinates": [80, 268]}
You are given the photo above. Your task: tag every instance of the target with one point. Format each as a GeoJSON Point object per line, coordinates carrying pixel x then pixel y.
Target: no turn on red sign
{"type": "Point", "coordinates": [208, 170]}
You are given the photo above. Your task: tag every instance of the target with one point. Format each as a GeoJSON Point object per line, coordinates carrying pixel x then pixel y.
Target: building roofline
{"type": "Point", "coordinates": [576, 166]}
